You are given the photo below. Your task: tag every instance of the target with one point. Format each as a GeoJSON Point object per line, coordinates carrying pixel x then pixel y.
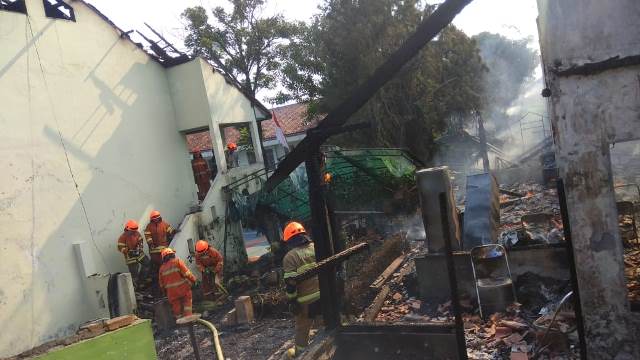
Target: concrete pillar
{"type": "Point", "coordinates": [595, 101]}
{"type": "Point", "coordinates": [432, 182]}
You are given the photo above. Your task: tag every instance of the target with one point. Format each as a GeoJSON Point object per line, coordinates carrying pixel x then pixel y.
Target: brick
{"type": "Point", "coordinates": [94, 329]}
{"type": "Point", "coordinates": [244, 310]}
{"type": "Point", "coordinates": [230, 318]}
{"type": "Point", "coordinates": [120, 321]}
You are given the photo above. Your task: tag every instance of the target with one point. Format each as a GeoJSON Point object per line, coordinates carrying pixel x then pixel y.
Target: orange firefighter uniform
{"type": "Point", "coordinates": [130, 244]}
{"type": "Point", "coordinates": [201, 174]}
{"type": "Point", "coordinates": [210, 263]}
{"type": "Point", "coordinates": [176, 281]}
{"type": "Point", "coordinates": [158, 234]}
{"type": "Point", "coordinates": [305, 294]}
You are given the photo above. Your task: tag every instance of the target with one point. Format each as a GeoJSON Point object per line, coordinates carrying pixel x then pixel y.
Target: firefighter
{"type": "Point", "coordinates": [303, 297]}
{"type": "Point", "coordinates": [176, 281]}
{"type": "Point", "coordinates": [209, 262]}
{"type": "Point", "coordinates": [158, 234]}
{"type": "Point", "coordinates": [201, 174]}
{"type": "Point", "coordinates": [130, 244]}
{"type": "Point", "coordinates": [232, 156]}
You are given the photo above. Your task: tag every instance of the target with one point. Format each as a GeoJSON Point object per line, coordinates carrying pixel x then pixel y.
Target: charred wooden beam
{"type": "Point", "coordinates": [330, 261]}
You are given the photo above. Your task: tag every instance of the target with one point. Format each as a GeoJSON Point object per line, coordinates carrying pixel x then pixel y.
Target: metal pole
{"type": "Point", "coordinates": [566, 228]}
{"type": "Point", "coordinates": [453, 282]}
{"type": "Point", "coordinates": [322, 240]}
{"type": "Point", "coordinates": [194, 341]}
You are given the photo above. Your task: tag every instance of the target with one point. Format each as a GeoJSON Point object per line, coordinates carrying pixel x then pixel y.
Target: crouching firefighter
{"type": "Point", "coordinates": [130, 244]}
{"type": "Point", "coordinates": [303, 296]}
{"type": "Point", "coordinates": [210, 263]}
{"type": "Point", "coordinates": [176, 281]}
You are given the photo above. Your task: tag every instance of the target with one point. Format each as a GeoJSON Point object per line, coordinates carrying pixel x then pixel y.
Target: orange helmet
{"type": "Point", "coordinates": [201, 245]}
{"type": "Point", "coordinates": [154, 214]}
{"type": "Point", "coordinates": [292, 229]}
{"type": "Point", "coordinates": [327, 177]}
{"type": "Point", "coordinates": [232, 146]}
{"type": "Point", "coordinates": [131, 225]}
{"type": "Point", "coordinates": [166, 251]}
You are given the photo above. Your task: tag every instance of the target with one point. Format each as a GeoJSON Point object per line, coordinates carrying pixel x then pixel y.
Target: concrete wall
{"type": "Point", "coordinates": [91, 139]}
{"type": "Point", "coordinates": [592, 107]}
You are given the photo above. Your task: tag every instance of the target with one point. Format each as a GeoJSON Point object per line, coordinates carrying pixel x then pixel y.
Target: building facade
{"type": "Point", "coordinates": [94, 134]}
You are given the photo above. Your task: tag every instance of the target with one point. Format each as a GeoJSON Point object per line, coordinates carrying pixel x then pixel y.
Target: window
{"type": "Point", "coordinates": [238, 143]}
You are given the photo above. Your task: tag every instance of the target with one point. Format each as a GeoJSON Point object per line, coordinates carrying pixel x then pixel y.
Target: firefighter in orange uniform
{"type": "Point", "coordinates": [176, 281]}
{"type": "Point", "coordinates": [130, 244]}
{"type": "Point", "coordinates": [158, 234]}
{"type": "Point", "coordinates": [232, 155]}
{"type": "Point", "coordinates": [201, 174]}
{"type": "Point", "coordinates": [210, 263]}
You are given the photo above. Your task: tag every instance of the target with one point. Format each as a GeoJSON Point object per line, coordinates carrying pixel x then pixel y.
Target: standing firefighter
{"type": "Point", "coordinates": [130, 244]}
{"type": "Point", "coordinates": [201, 174]}
{"type": "Point", "coordinates": [303, 297]}
{"type": "Point", "coordinates": [209, 262]}
{"type": "Point", "coordinates": [176, 281]}
{"type": "Point", "coordinates": [158, 234]}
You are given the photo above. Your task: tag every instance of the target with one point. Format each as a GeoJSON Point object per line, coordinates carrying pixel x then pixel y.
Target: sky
{"type": "Point", "coordinates": [512, 18]}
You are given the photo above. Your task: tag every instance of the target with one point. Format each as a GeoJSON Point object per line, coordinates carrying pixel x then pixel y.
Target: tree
{"type": "Point", "coordinates": [246, 43]}
{"type": "Point", "coordinates": [350, 39]}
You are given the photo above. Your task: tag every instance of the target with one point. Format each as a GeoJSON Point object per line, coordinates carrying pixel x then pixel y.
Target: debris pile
{"type": "Point", "coordinates": [632, 274]}
{"type": "Point", "coordinates": [531, 219]}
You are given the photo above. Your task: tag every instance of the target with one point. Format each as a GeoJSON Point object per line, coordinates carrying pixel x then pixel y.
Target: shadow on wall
{"type": "Point", "coordinates": [126, 156]}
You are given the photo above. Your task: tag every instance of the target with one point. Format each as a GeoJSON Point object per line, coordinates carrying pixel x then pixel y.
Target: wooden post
{"type": "Point", "coordinates": [322, 239]}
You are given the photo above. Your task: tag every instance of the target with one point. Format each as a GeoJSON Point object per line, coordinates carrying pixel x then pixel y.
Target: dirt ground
{"type": "Point", "coordinates": [239, 342]}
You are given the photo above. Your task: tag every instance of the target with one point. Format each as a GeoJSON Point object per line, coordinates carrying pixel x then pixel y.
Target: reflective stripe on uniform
{"type": "Point", "coordinates": [292, 295]}
{"type": "Point", "coordinates": [299, 270]}
{"type": "Point", "coordinates": [175, 284]}
{"type": "Point", "coordinates": [309, 298]}
{"type": "Point", "coordinates": [170, 271]}
{"type": "Point", "coordinates": [157, 249]}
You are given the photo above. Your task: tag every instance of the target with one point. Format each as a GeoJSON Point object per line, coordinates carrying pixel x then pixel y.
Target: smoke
{"type": "Point", "coordinates": [514, 112]}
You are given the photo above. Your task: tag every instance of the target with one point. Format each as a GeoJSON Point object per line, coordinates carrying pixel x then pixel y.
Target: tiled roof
{"type": "Point", "coordinates": [292, 118]}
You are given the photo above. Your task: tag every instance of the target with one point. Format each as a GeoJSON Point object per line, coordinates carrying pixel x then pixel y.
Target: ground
{"type": "Point", "coordinates": [239, 342]}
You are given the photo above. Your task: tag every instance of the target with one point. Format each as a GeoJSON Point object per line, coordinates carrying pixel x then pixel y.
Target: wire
{"type": "Point", "coordinates": [64, 147]}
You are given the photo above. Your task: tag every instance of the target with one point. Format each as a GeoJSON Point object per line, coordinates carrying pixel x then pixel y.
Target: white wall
{"type": "Point", "coordinates": [111, 105]}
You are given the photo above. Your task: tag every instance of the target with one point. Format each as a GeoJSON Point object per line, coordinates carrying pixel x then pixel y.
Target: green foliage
{"type": "Point", "coordinates": [245, 136]}
{"type": "Point", "coordinates": [349, 39]}
{"type": "Point", "coordinates": [246, 42]}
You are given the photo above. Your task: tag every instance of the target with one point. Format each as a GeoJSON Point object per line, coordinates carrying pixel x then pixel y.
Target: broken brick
{"type": "Point", "coordinates": [397, 296]}
{"type": "Point", "coordinates": [514, 325]}
{"type": "Point", "coordinates": [120, 321]}
{"type": "Point", "coordinates": [502, 331]}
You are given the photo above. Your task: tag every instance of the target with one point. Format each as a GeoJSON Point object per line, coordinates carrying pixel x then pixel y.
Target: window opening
{"type": "Point", "coordinates": [18, 6]}
{"type": "Point", "coordinates": [238, 143]}
{"type": "Point", "coordinates": [58, 9]}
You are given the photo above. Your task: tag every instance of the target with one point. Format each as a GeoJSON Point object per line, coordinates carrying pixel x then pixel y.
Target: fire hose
{"type": "Point", "coordinates": [216, 339]}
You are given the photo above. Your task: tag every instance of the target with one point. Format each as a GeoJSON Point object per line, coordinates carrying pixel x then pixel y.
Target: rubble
{"type": "Point", "coordinates": [632, 274]}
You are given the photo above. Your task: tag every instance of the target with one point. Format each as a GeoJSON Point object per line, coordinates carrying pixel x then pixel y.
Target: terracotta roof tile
{"type": "Point", "coordinates": [292, 118]}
